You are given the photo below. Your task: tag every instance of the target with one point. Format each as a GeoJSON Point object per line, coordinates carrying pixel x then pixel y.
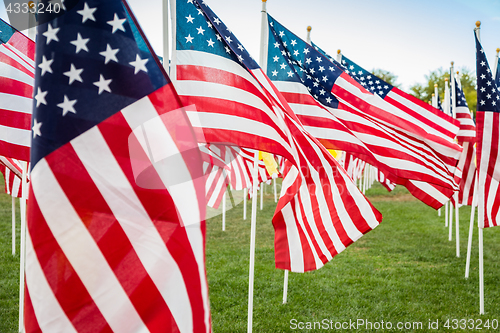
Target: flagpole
{"type": "Point", "coordinates": [173, 60]}
{"type": "Point", "coordinates": [471, 227]}
{"type": "Point", "coordinates": [339, 56]}
{"type": "Point", "coordinates": [13, 225]}
{"type": "Point", "coordinates": [450, 223]}
{"type": "Point", "coordinates": [224, 211]}
{"type": "Point", "coordinates": [245, 195]}
{"type": "Point", "coordinates": [495, 65]}
{"type": "Point", "coordinates": [275, 192]}
{"type": "Point", "coordinates": [166, 49]}
{"type": "Point", "coordinates": [24, 189]}
{"type": "Point", "coordinates": [454, 115]}
{"type": "Point", "coordinates": [261, 195]}
{"type": "Point", "coordinates": [308, 39]}
{"type": "Point", "coordinates": [263, 64]}
{"type": "Point", "coordinates": [435, 104]}
{"type": "Point", "coordinates": [285, 288]}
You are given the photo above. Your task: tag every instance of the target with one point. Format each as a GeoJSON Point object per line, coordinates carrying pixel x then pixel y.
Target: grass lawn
{"type": "Point", "coordinates": [404, 271]}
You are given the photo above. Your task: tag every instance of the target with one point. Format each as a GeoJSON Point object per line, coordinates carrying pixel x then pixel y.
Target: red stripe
{"type": "Point", "coordinates": [299, 98]}
{"type": "Point", "coordinates": [110, 238]}
{"type": "Point", "coordinates": [494, 136]}
{"type": "Point", "coordinates": [30, 321]}
{"type": "Point", "coordinates": [15, 64]}
{"type": "Point", "coordinates": [23, 44]}
{"type": "Point", "coordinates": [160, 207]}
{"type": "Point", "coordinates": [15, 87]}
{"type": "Point", "coordinates": [15, 151]}
{"type": "Point", "coordinates": [14, 119]}
{"type": "Point", "coordinates": [68, 289]}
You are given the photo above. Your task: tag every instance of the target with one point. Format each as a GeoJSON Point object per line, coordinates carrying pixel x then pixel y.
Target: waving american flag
{"type": "Point", "coordinates": [116, 231]}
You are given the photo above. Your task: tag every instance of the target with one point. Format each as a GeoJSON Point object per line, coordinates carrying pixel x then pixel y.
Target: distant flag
{"type": "Point", "coordinates": [488, 137]}
{"type": "Point", "coordinates": [114, 240]}
{"type": "Point", "coordinates": [12, 172]}
{"type": "Point", "coordinates": [17, 72]}
{"type": "Point", "coordinates": [439, 105]}
{"type": "Point", "coordinates": [305, 78]}
{"type": "Point", "coordinates": [237, 104]}
{"type": "Point", "coordinates": [497, 71]}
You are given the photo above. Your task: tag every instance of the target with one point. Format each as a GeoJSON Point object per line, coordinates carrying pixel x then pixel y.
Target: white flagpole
{"type": "Point", "coordinates": [275, 192]}
{"type": "Point", "coordinates": [24, 182]}
{"type": "Point", "coordinates": [166, 49]}
{"type": "Point", "coordinates": [173, 59]}
{"type": "Point", "coordinates": [454, 115]}
{"type": "Point", "coordinates": [495, 65]}
{"type": "Point", "coordinates": [308, 39]}
{"type": "Point", "coordinates": [263, 65]}
{"type": "Point", "coordinates": [224, 211]}
{"type": "Point", "coordinates": [261, 195]}
{"type": "Point", "coordinates": [471, 227]}
{"type": "Point", "coordinates": [480, 223]}
{"type": "Point", "coordinates": [13, 225]}
{"type": "Point", "coordinates": [339, 56]}
{"type": "Point", "coordinates": [245, 195]}
{"type": "Point", "coordinates": [450, 223]}
{"type": "Point", "coordinates": [285, 288]}
{"type": "Point", "coordinates": [446, 214]}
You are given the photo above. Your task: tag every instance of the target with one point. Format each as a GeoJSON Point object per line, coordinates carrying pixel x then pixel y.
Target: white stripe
{"type": "Point", "coordinates": [491, 199]}
{"type": "Point", "coordinates": [13, 73]}
{"type": "Point", "coordinates": [137, 115]}
{"type": "Point", "coordinates": [82, 251]}
{"type": "Point", "coordinates": [16, 103]}
{"type": "Point", "coordinates": [48, 312]}
{"type": "Point", "coordinates": [234, 123]}
{"type": "Point", "coordinates": [431, 191]}
{"type": "Point", "coordinates": [15, 136]}
{"type": "Point", "coordinates": [20, 57]}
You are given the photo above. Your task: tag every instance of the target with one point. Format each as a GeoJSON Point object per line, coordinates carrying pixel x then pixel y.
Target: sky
{"type": "Point", "coordinates": [408, 38]}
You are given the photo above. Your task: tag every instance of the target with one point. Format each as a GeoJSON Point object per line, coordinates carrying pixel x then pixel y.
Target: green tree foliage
{"type": "Point", "coordinates": [386, 76]}
{"type": "Point", "coordinates": [467, 79]}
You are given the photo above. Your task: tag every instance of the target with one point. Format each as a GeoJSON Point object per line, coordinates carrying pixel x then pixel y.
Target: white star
{"type": "Point", "coordinates": [285, 44]}
{"type": "Point", "coordinates": [312, 71]}
{"type": "Point", "coordinates": [87, 13]}
{"type": "Point", "coordinates": [228, 39]}
{"type": "Point", "coordinates": [139, 64]}
{"type": "Point", "coordinates": [321, 68]}
{"type": "Point", "coordinates": [228, 50]}
{"type": "Point", "coordinates": [211, 42]}
{"type": "Point", "coordinates": [40, 97]}
{"type": "Point", "coordinates": [306, 51]}
{"type": "Point", "coordinates": [290, 74]}
{"type": "Point", "coordinates": [482, 89]}
{"type": "Point", "coordinates": [109, 54]}
{"type": "Point", "coordinates": [219, 38]}
{"type": "Point", "coordinates": [315, 84]}
{"type": "Point", "coordinates": [103, 84]}
{"type": "Point", "coordinates": [296, 53]}
{"type": "Point", "coordinates": [74, 74]}
{"type": "Point", "coordinates": [51, 34]}
{"type": "Point", "coordinates": [45, 65]}
{"type": "Point", "coordinates": [200, 12]}
{"type": "Point", "coordinates": [308, 61]}
{"type": "Point", "coordinates": [276, 45]}
{"type": "Point", "coordinates": [482, 102]}
{"type": "Point", "coordinates": [328, 100]}
{"type": "Point", "coordinates": [36, 129]}
{"type": "Point", "coordinates": [276, 59]}
{"type": "Point", "coordinates": [216, 20]}
{"type": "Point", "coordinates": [240, 47]}
{"type": "Point", "coordinates": [200, 30]}
{"type": "Point", "coordinates": [483, 76]}
{"type": "Point", "coordinates": [275, 73]}
{"type": "Point", "coordinates": [189, 39]}
{"type": "Point", "coordinates": [482, 63]}
{"type": "Point", "coordinates": [282, 33]}
{"type": "Point", "coordinates": [209, 25]}
{"type": "Point", "coordinates": [117, 24]}
{"type": "Point", "coordinates": [318, 59]}
{"type": "Point", "coordinates": [322, 92]}
{"type": "Point", "coordinates": [488, 96]}
{"type": "Point", "coordinates": [331, 69]}
{"type": "Point", "coordinates": [325, 79]}
{"type": "Point", "coordinates": [240, 57]}
{"type": "Point", "coordinates": [189, 19]}
{"type": "Point", "coordinates": [80, 43]}
{"type": "Point", "coordinates": [283, 66]}
{"type": "Point", "coordinates": [67, 105]}
{"type": "Point", "coordinates": [294, 42]}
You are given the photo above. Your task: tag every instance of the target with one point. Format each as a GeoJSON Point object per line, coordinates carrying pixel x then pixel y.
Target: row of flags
{"type": "Point", "coordinates": [124, 160]}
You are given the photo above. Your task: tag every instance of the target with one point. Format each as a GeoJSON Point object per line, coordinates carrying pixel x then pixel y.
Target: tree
{"type": "Point", "coordinates": [386, 76]}
{"type": "Point", "coordinates": [467, 79]}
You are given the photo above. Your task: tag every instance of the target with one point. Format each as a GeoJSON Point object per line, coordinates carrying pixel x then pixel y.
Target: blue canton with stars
{"type": "Point", "coordinates": [371, 82]}
{"type": "Point", "coordinates": [292, 59]}
{"type": "Point", "coordinates": [199, 29]}
{"type": "Point", "coordinates": [91, 62]}
{"type": "Point", "coordinates": [488, 98]}
{"type": "Point", "coordinates": [460, 97]}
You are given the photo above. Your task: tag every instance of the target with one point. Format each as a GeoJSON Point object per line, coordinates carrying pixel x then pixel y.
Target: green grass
{"type": "Point", "coordinates": [403, 271]}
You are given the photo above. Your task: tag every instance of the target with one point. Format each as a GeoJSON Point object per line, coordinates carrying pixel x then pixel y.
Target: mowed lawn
{"type": "Point", "coordinates": [405, 271]}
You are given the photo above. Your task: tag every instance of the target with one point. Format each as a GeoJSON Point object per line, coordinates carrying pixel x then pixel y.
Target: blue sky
{"type": "Point", "coordinates": [407, 38]}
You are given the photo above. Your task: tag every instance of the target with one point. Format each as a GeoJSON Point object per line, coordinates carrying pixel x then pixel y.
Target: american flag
{"type": "Point", "coordinates": [351, 120]}
{"type": "Point", "coordinates": [12, 172]}
{"type": "Point", "coordinates": [466, 137]}
{"type": "Point", "coordinates": [320, 211]}
{"type": "Point", "coordinates": [17, 72]}
{"type": "Point", "coordinates": [114, 241]}
{"type": "Point", "coordinates": [488, 137]}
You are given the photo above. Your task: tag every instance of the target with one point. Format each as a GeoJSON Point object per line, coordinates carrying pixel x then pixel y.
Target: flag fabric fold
{"type": "Point", "coordinates": [116, 233]}
{"type": "Point", "coordinates": [488, 137]}
{"type": "Point", "coordinates": [17, 72]}
{"type": "Point", "coordinates": [320, 211]}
